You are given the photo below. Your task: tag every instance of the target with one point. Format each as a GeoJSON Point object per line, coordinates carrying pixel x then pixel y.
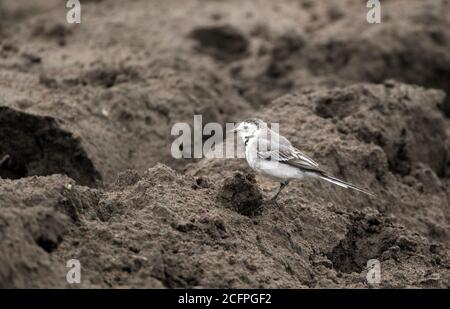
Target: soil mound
{"type": "Point", "coordinates": [86, 118]}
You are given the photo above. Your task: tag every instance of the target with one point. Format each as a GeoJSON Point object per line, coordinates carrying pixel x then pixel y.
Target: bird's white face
{"type": "Point", "coordinates": [246, 129]}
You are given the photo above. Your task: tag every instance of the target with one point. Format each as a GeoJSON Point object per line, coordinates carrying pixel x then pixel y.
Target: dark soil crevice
{"type": "Point", "coordinates": [223, 42]}
{"type": "Point", "coordinates": [361, 243]}
{"type": "Point", "coordinates": [36, 145]}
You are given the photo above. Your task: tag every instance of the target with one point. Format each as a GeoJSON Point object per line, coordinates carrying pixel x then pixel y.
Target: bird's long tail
{"type": "Point", "coordinates": [344, 184]}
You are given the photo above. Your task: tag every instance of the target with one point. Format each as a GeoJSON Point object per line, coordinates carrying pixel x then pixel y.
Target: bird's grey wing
{"type": "Point", "coordinates": [285, 153]}
{"type": "Point", "coordinates": [286, 146]}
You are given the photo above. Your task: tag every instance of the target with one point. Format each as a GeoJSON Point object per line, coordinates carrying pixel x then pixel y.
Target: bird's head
{"type": "Point", "coordinates": [249, 127]}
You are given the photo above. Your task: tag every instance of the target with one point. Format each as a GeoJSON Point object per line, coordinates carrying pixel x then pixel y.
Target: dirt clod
{"type": "Point", "coordinates": [241, 193]}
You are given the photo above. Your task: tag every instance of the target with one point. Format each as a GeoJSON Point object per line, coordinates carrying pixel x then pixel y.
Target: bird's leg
{"type": "Point", "coordinates": [4, 159]}
{"type": "Point", "coordinates": [282, 185]}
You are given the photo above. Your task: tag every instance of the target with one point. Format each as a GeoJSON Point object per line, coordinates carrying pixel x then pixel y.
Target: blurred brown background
{"type": "Point", "coordinates": [82, 103]}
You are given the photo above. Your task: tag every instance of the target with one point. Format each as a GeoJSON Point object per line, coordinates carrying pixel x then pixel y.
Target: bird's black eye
{"type": "Point", "coordinates": [245, 127]}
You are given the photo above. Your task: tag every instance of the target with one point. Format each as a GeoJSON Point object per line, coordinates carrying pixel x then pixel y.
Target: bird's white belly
{"type": "Point", "coordinates": [278, 171]}
{"type": "Point", "coordinates": [271, 169]}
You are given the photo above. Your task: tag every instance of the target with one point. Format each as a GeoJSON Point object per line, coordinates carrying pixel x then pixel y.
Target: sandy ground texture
{"type": "Point", "coordinates": [86, 172]}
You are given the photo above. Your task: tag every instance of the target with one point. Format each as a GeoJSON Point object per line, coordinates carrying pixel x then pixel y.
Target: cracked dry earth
{"type": "Point", "coordinates": [86, 172]}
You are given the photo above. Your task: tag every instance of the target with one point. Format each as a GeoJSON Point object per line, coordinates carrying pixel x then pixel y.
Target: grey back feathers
{"type": "Point", "coordinates": [272, 146]}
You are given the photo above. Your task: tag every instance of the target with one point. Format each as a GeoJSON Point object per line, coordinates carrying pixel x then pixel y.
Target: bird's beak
{"type": "Point", "coordinates": [232, 130]}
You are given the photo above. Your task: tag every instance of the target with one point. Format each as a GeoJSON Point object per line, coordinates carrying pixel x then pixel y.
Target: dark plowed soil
{"type": "Point", "coordinates": [86, 172]}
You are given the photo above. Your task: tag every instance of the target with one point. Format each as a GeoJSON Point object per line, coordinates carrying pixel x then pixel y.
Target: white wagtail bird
{"type": "Point", "coordinates": [273, 156]}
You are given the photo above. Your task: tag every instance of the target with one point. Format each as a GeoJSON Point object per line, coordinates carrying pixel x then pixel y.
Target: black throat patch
{"type": "Point", "coordinates": [246, 140]}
